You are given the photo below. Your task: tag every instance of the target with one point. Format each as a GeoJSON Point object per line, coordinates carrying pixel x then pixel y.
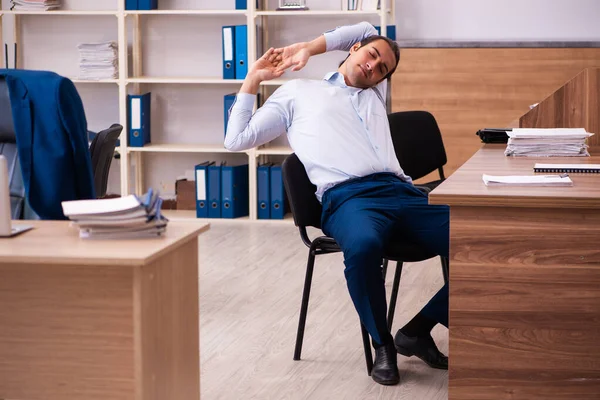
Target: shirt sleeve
{"type": "Point", "coordinates": [343, 37]}
{"type": "Point", "coordinates": [245, 131]}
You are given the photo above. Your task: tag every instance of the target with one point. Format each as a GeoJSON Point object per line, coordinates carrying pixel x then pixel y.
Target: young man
{"type": "Point", "coordinates": [338, 128]}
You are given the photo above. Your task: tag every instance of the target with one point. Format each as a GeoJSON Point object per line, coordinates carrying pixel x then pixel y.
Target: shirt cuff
{"type": "Point", "coordinates": [244, 101]}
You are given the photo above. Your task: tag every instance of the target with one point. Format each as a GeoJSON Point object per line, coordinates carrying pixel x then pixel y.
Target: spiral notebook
{"type": "Point", "coordinates": [569, 168]}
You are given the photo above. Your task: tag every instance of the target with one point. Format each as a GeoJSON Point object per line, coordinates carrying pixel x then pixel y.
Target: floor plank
{"type": "Point", "coordinates": [251, 278]}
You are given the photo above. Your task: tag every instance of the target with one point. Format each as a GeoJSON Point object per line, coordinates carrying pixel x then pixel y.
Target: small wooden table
{"type": "Point", "coordinates": [85, 319]}
{"type": "Point", "coordinates": [524, 282]}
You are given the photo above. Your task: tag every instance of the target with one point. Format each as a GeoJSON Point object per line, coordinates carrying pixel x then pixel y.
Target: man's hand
{"type": "Point", "coordinates": [295, 56]}
{"type": "Point", "coordinates": [267, 67]}
{"type": "Point", "coordinates": [264, 69]}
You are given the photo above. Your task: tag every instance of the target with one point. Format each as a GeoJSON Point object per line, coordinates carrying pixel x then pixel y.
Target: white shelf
{"type": "Point", "coordinates": [288, 219]}
{"type": "Point", "coordinates": [62, 12]}
{"type": "Point", "coordinates": [186, 12]}
{"type": "Point", "coordinates": [201, 81]}
{"type": "Point", "coordinates": [123, 23]}
{"type": "Point", "coordinates": [76, 80]}
{"type": "Point", "coordinates": [274, 151]}
{"type": "Point", "coordinates": [319, 13]}
{"type": "Point", "coordinates": [182, 148]}
{"type": "Point", "coordinates": [190, 216]}
{"type": "Point", "coordinates": [210, 81]}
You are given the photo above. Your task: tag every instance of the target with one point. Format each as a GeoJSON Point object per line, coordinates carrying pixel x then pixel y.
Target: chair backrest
{"type": "Point", "coordinates": [418, 143]}
{"type": "Point", "coordinates": [8, 148]}
{"type": "Point", "coordinates": [306, 209]}
{"type": "Point", "coordinates": [102, 151]}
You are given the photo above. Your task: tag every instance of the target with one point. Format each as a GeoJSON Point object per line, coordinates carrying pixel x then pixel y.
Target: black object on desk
{"type": "Point", "coordinates": [493, 135]}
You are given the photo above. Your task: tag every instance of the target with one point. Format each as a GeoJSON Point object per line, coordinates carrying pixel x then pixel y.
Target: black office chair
{"type": "Point", "coordinates": [420, 150]}
{"type": "Point", "coordinates": [418, 145]}
{"type": "Point", "coordinates": [102, 151]}
{"type": "Point", "coordinates": [306, 211]}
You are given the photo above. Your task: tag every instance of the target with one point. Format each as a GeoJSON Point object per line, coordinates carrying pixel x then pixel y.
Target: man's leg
{"type": "Point", "coordinates": [359, 233]}
{"type": "Point", "coordinates": [427, 226]}
{"type": "Point", "coordinates": [355, 219]}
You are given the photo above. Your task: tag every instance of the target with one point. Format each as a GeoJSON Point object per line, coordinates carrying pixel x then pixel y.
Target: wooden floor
{"type": "Point", "coordinates": [251, 278]}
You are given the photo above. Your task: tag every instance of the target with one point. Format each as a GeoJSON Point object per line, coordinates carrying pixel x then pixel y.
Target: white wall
{"type": "Point", "coordinates": [498, 19]}
{"type": "Point", "coordinates": [191, 46]}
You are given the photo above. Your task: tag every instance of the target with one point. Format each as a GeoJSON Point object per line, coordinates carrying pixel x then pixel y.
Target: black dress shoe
{"type": "Point", "coordinates": [385, 368]}
{"type": "Point", "coordinates": [421, 346]}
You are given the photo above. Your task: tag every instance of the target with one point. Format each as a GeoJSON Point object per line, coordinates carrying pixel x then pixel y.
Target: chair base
{"type": "Point", "coordinates": [315, 249]}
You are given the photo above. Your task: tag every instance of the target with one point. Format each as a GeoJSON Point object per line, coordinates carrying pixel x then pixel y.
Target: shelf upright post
{"type": "Point", "coordinates": [2, 38]}
{"type": "Point", "coordinates": [137, 72]}
{"type": "Point", "coordinates": [17, 39]}
{"type": "Point", "coordinates": [122, 33]}
{"type": "Point", "coordinates": [252, 56]}
{"type": "Point", "coordinates": [383, 16]}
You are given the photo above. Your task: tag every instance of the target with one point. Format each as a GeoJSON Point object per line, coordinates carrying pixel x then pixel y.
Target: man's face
{"type": "Point", "coordinates": [367, 65]}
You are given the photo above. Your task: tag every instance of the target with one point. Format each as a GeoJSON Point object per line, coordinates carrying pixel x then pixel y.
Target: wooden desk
{"type": "Point", "coordinates": [83, 319]}
{"type": "Point", "coordinates": [524, 283]}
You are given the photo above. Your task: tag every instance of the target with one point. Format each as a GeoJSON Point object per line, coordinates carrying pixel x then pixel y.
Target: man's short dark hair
{"type": "Point", "coordinates": [393, 45]}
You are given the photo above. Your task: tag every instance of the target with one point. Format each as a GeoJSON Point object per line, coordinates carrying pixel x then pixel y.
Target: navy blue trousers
{"type": "Point", "coordinates": [363, 215]}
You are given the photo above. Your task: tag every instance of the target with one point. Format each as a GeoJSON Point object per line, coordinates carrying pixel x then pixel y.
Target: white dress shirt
{"type": "Point", "coordinates": [337, 131]}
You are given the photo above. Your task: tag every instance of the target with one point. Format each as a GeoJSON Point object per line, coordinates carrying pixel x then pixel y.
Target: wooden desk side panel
{"type": "Point", "coordinates": [470, 89]}
{"type": "Point", "coordinates": [574, 105]}
{"type": "Point", "coordinates": [524, 304]}
{"type": "Point", "coordinates": [66, 332]}
{"type": "Point", "coordinates": [167, 325]}
{"type": "Point", "coordinates": [593, 105]}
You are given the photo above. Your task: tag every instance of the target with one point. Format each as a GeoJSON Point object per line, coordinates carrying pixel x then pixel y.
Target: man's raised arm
{"type": "Point", "coordinates": [244, 130]}
{"type": "Point", "coordinates": [342, 38]}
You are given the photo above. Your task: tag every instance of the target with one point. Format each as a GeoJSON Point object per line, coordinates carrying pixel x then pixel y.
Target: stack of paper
{"type": "Point", "coordinates": [556, 142]}
{"type": "Point", "coordinates": [34, 5]}
{"type": "Point", "coordinates": [98, 60]}
{"type": "Point", "coordinates": [528, 180]}
{"type": "Point", "coordinates": [118, 218]}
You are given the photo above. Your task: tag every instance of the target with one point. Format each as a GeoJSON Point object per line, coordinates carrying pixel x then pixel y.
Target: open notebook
{"type": "Point", "coordinates": [527, 180]}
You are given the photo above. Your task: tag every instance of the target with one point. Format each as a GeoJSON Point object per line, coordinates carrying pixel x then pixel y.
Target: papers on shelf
{"type": "Point", "coordinates": [119, 218]}
{"type": "Point", "coordinates": [98, 60]}
{"type": "Point", "coordinates": [562, 142]}
{"type": "Point", "coordinates": [528, 180]}
{"type": "Point", "coordinates": [34, 5]}
{"type": "Point", "coordinates": [364, 5]}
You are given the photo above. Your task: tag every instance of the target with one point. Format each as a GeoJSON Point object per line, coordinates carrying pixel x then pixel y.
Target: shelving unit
{"type": "Point", "coordinates": [132, 84]}
{"type": "Point", "coordinates": [181, 148]}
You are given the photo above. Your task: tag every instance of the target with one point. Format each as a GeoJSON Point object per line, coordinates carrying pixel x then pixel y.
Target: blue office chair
{"type": "Point", "coordinates": [19, 206]}
{"type": "Point", "coordinates": [59, 166]}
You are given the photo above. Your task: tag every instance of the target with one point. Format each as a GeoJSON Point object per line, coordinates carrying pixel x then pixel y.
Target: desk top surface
{"type": "Point", "coordinates": [57, 242]}
{"type": "Point", "coordinates": [466, 188]}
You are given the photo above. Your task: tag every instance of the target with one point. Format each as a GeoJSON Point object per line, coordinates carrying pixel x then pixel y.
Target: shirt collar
{"type": "Point", "coordinates": [336, 78]}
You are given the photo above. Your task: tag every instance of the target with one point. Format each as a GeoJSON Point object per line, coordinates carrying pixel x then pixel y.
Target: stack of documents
{"type": "Point", "coordinates": [98, 60]}
{"type": "Point", "coordinates": [34, 5]}
{"type": "Point", "coordinates": [119, 218]}
{"type": "Point", "coordinates": [528, 180]}
{"type": "Point", "coordinates": [556, 142]}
